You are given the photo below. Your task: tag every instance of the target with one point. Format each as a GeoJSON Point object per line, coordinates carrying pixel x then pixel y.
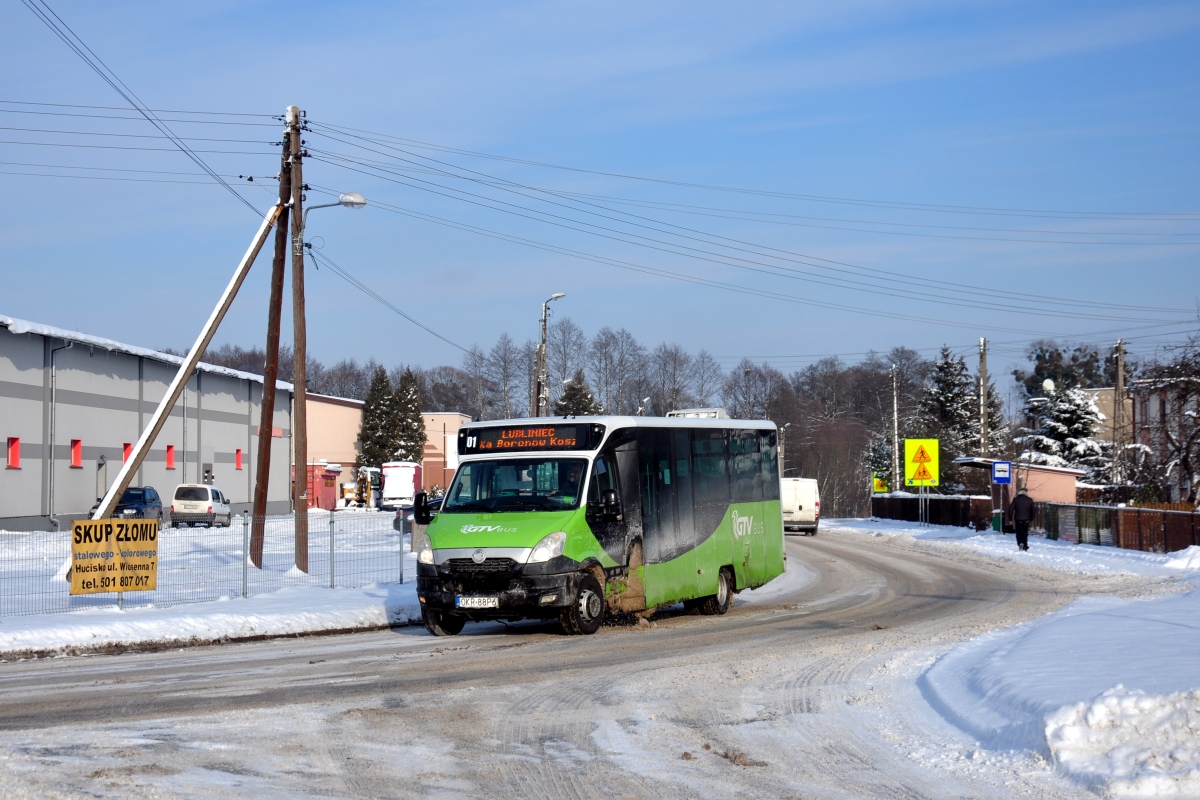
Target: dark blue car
{"type": "Point", "coordinates": [138, 502]}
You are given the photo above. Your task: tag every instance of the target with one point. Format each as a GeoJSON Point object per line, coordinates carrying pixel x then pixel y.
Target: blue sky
{"type": "Point", "coordinates": [1064, 108]}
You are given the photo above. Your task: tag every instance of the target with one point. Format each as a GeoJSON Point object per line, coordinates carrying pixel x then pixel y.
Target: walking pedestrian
{"type": "Point", "coordinates": [1022, 515]}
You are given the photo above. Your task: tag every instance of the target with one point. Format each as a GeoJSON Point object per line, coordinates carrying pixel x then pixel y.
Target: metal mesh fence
{"type": "Point", "coordinates": [346, 549]}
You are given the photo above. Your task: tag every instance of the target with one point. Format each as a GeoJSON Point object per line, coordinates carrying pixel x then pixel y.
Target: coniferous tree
{"type": "Point", "coordinates": [577, 399]}
{"type": "Point", "coordinates": [1063, 435]}
{"type": "Point", "coordinates": [410, 425]}
{"type": "Point", "coordinates": [949, 412]}
{"type": "Point", "coordinates": [378, 434]}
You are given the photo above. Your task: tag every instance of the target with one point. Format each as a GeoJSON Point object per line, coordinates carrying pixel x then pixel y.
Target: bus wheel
{"type": "Point", "coordinates": [587, 612]}
{"type": "Point", "coordinates": [440, 624]}
{"type": "Point", "coordinates": [718, 603]}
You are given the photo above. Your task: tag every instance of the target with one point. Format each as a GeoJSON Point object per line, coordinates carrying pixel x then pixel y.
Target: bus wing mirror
{"type": "Point", "coordinates": [421, 514]}
{"type": "Point", "coordinates": [608, 500]}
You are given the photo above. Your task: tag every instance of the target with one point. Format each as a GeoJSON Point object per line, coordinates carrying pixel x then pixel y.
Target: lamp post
{"type": "Point", "coordinates": [541, 391]}
{"type": "Point", "coordinates": [782, 452]}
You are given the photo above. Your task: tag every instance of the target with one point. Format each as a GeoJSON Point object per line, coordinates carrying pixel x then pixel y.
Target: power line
{"type": "Point", "coordinates": [127, 147]}
{"type": "Point", "coordinates": [654, 271]}
{"type": "Point", "coordinates": [125, 108]}
{"type": "Point", "coordinates": [55, 23]}
{"type": "Point", "coordinates": [720, 258]}
{"type": "Point", "coordinates": [129, 135]}
{"type": "Point", "coordinates": [362, 287]}
{"type": "Point", "coordinates": [934, 207]}
{"type": "Point", "coordinates": [801, 258]}
{"type": "Point", "coordinates": [128, 117]}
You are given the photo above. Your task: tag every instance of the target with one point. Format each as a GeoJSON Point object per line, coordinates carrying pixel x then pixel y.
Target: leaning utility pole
{"type": "Point", "coordinates": [299, 346]}
{"type": "Point", "coordinates": [1119, 413]}
{"type": "Point", "coordinates": [983, 398]}
{"type": "Point", "coordinates": [266, 423]}
{"type": "Point", "coordinates": [897, 475]}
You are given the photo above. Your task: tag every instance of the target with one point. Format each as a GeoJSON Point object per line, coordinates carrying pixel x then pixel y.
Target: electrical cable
{"type": "Point", "coordinates": [44, 12]}
{"type": "Point", "coordinates": [146, 149]}
{"type": "Point", "coordinates": [631, 266]}
{"type": "Point", "coordinates": [357, 284]}
{"type": "Point", "coordinates": [938, 207]}
{"type": "Point", "coordinates": [719, 258]}
{"type": "Point", "coordinates": [130, 135]}
{"type": "Point", "coordinates": [904, 284]}
{"type": "Point", "coordinates": [137, 119]}
{"type": "Point", "coordinates": [126, 108]}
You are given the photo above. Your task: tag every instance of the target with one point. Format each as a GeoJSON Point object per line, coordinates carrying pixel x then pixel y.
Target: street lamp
{"type": "Point", "coordinates": [349, 200]}
{"type": "Point", "coordinates": [782, 452]}
{"type": "Point", "coordinates": [541, 394]}
{"type": "Point", "coordinates": [641, 412]}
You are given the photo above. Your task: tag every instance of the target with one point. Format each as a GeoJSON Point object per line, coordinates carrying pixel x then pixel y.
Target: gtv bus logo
{"type": "Point", "coordinates": [486, 529]}
{"type": "Point", "coordinates": [742, 526]}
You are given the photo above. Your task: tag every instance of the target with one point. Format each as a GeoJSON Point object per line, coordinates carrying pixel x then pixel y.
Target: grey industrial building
{"type": "Point", "coordinates": [93, 397]}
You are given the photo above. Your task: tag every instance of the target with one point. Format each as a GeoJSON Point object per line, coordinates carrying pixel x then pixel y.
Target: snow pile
{"type": "Point", "coordinates": [1080, 559]}
{"type": "Point", "coordinates": [1141, 745]}
{"type": "Point", "coordinates": [286, 612]}
{"type": "Point", "coordinates": [1049, 685]}
{"type": "Point", "coordinates": [1185, 559]}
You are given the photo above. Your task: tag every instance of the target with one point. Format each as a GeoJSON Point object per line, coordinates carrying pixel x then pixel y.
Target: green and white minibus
{"type": "Point", "coordinates": [582, 516]}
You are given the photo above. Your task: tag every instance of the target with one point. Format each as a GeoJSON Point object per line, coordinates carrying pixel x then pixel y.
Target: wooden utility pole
{"type": "Point", "coordinates": [983, 398]}
{"type": "Point", "coordinates": [897, 476]}
{"type": "Point", "coordinates": [262, 478]}
{"type": "Point", "coordinates": [1119, 413]}
{"type": "Point", "coordinates": [299, 346]}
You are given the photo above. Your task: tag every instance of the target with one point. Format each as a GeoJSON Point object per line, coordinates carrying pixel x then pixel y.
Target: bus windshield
{"type": "Point", "coordinates": [516, 484]}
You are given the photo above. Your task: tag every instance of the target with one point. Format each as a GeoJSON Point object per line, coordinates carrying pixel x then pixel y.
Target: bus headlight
{"type": "Point", "coordinates": [424, 549]}
{"type": "Point", "coordinates": [548, 548]}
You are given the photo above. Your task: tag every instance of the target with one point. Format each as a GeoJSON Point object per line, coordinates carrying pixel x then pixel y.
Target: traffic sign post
{"type": "Point", "coordinates": [921, 462]}
{"type": "Point", "coordinates": [921, 471]}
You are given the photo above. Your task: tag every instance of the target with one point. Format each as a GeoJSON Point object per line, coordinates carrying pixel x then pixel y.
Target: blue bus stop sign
{"type": "Point", "coordinates": [1002, 472]}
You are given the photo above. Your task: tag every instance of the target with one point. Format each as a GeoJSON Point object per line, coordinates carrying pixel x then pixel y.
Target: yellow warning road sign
{"type": "Point", "coordinates": [920, 462]}
{"type": "Point", "coordinates": [879, 484]}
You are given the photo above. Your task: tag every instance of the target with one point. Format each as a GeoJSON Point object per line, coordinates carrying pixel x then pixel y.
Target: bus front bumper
{"type": "Point", "coordinates": [515, 595]}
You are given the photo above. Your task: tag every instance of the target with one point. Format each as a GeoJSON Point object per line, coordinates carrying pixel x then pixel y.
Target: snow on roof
{"type": "Point", "coordinates": [20, 326]}
{"type": "Point", "coordinates": [979, 461]}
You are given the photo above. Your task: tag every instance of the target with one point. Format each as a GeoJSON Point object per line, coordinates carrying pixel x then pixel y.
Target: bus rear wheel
{"type": "Point", "coordinates": [440, 624]}
{"type": "Point", "coordinates": [587, 612]}
{"type": "Point", "coordinates": [718, 603]}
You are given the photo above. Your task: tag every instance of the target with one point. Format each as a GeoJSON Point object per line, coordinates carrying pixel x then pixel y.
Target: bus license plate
{"type": "Point", "coordinates": [478, 602]}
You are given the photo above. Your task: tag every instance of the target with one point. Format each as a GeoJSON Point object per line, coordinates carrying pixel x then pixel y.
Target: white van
{"type": "Point", "coordinates": [801, 503]}
{"type": "Point", "coordinates": [401, 482]}
{"type": "Point", "coordinates": [196, 503]}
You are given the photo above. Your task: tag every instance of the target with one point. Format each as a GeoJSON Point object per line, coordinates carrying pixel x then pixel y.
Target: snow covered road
{"type": "Point", "coordinates": [809, 691]}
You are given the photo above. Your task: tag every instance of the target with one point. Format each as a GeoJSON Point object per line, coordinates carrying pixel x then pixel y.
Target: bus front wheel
{"type": "Point", "coordinates": [719, 603]}
{"type": "Point", "coordinates": [587, 612]}
{"type": "Point", "coordinates": [440, 624]}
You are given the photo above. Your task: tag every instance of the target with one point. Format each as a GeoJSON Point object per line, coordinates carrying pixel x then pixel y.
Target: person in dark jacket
{"type": "Point", "coordinates": [1022, 515]}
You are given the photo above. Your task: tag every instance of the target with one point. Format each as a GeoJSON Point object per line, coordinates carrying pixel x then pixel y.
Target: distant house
{"type": "Point", "coordinates": [1158, 416]}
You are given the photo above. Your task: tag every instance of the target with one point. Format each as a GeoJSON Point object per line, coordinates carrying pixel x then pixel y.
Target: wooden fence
{"type": "Point", "coordinates": [957, 511]}
{"type": "Point", "coordinates": [1153, 530]}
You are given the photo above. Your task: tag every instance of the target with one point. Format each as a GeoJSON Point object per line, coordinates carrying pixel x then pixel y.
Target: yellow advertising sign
{"type": "Point", "coordinates": [879, 485]}
{"type": "Point", "coordinates": [114, 555]}
{"type": "Point", "coordinates": [920, 462]}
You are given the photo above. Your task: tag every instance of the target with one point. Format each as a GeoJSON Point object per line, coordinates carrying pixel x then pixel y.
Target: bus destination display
{"type": "Point", "coordinates": [518, 438]}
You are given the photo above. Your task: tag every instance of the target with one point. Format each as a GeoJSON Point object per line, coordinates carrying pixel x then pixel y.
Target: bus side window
{"type": "Point", "coordinates": [745, 467]}
{"type": "Point", "coordinates": [710, 480]}
{"type": "Point", "coordinates": [769, 450]}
